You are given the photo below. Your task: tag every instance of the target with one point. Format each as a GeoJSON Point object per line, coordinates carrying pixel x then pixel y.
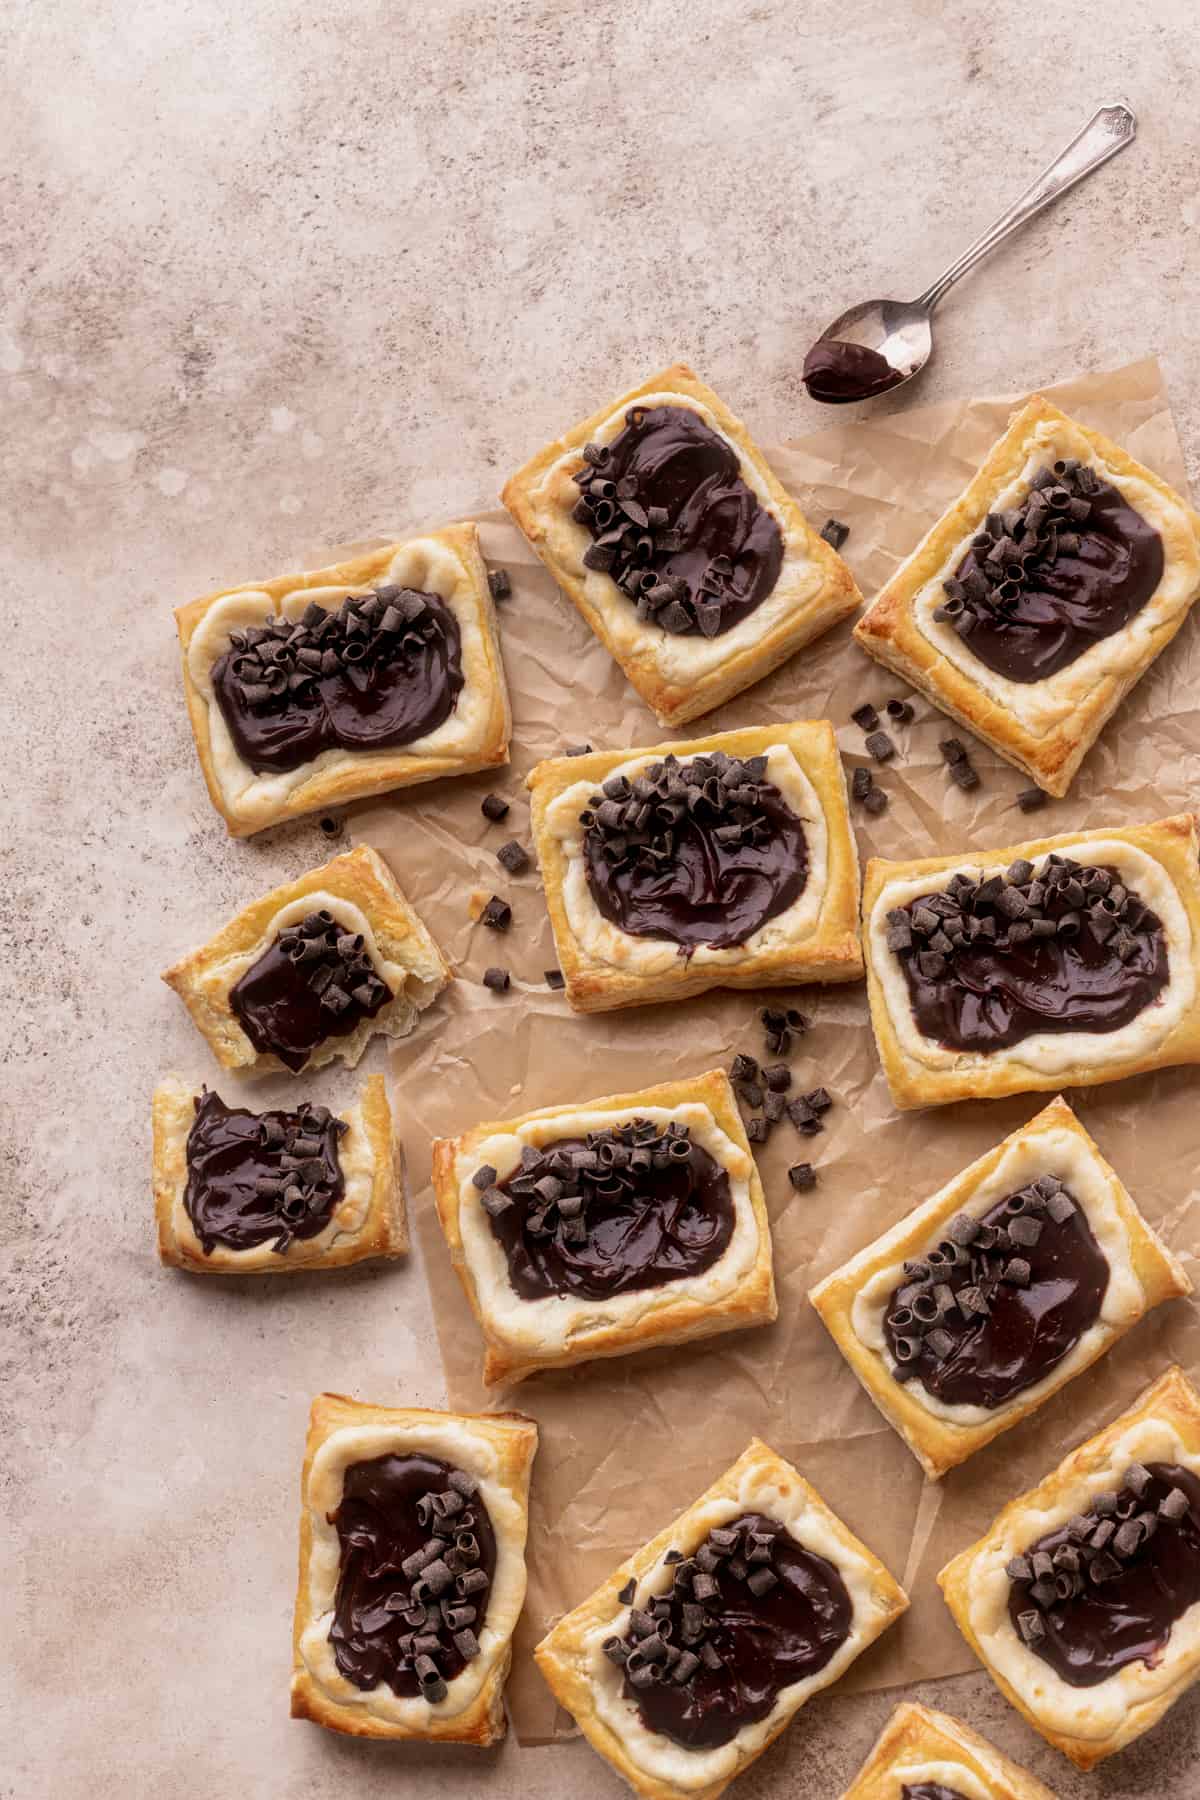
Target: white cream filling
{"type": "Point", "coordinates": [1042, 707]}
{"type": "Point", "coordinates": [1047, 1053]}
{"type": "Point", "coordinates": [357, 1163]}
{"type": "Point", "coordinates": [1095, 1712]}
{"type": "Point", "coordinates": [453, 1443]}
{"type": "Point", "coordinates": [680, 660]}
{"type": "Point", "coordinates": [603, 942]}
{"type": "Point", "coordinates": [954, 1775]}
{"type": "Point", "coordinates": [658, 1756]}
{"type": "Point", "coordinates": [425, 564]}
{"type": "Point", "coordinates": [560, 1320]}
{"type": "Point", "coordinates": [1055, 1152]}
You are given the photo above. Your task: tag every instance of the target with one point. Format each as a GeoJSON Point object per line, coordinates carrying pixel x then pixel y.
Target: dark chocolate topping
{"type": "Point", "coordinates": [750, 1613]}
{"type": "Point", "coordinates": [1105, 1589]}
{"type": "Point", "coordinates": [699, 852]}
{"type": "Point", "coordinates": [835, 371]}
{"type": "Point", "coordinates": [258, 1178]}
{"type": "Point", "coordinates": [620, 1210]}
{"type": "Point", "coordinates": [384, 670]}
{"type": "Point", "coordinates": [928, 1790]}
{"type": "Point", "coordinates": [418, 1555]}
{"type": "Point", "coordinates": [1066, 947]}
{"type": "Point", "coordinates": [999, 1303]}
{"type": "Point", "coordinates": [1044, 582]}
{"type": "Point", "coordinates": [315, 981]}
{"type": "Point", "coordinates": [674, 524]}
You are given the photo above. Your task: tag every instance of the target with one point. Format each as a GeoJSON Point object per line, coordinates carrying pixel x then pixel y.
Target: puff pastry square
{"type": "Point", "coordinates": [1045, 726]}
{"type": "Point", "coordinates": [1156, 865]}
{"type": "Point", "coordinates": [345, 1438]}
{"type": "Point", "coordinates": [367, 1220]}
{"type": "Point", "coordinates": [446, 564]}
{"type": "Point", "coordinates": [919, 1748]}
{"type": "Point", "coordinates": [361, 894]}
{"type": "Point", "coordinates": [1141, 1272]}
{"type": "Point", "coordinates": [1089, 1723]}
{"type": "Point", "coordinates": [858, 1596]}
{"type": "Point", "coordinates": [553, 1323]}
{"type": "Point", "coordinates": [814, 938]}
{"type": "Point", "coordinates": [681, 677]}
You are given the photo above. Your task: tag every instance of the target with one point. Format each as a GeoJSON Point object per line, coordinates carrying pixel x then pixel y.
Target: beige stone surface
{"type": "Point", "coordinates": [276, 276]}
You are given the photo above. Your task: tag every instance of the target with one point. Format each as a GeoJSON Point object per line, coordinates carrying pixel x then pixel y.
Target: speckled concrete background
{"type": "Point", "coordinates": [276, 276]}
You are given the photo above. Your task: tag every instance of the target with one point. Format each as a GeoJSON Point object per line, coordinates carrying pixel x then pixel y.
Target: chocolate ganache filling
{"type": "Point", "coordinates": [315, 981]}
{"type": "Point", "coordinates": [259, 1178]}
{"type": "Point", "coordinates": [836, 371]}
{"type": "Point", "coordinates": [1045, 581]}
{"type": "Point", "coordinates": [1001, 1301]}
{"type": "Point", "coordinates": [418, 1557]}
{"type": "Point", "coordinates": [382, 671]}
{"type": "Point", "coordinates": [1066, 947]}
{"type": "Point", "coordinates": [928, 1790]}
{"type": "Point", "coordinates": [624, 1209]}
{"type": "Point", "coordinates": [674, 524]}
{"type": "Point", "coordinates": [750, 1613]}
{"type": "Point", "coordinates": [1105, 1589]}
{"type": "Point", "coordinates": [699, 852]}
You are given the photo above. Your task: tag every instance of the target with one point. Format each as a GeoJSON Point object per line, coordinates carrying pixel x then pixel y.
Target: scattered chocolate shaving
{"type": "Point", "coordinates": [554, 978]}
{"type": "Point", "coordinates": [834, 533]}
{"type": "Point", "coordinates": [499, 980]}
{"type": "Point", "coordinates": [499, 583]}
{"type": "Point", "coordinates": [861, 783]}
{"type": "Point", "coordinates": [803, 1177]}
{"type": "Point", "coordinates": [494, 807]}
{"type": "Point", "coordinates": [513, 856]}
{"type": "Point", "coordinates": [1032, 799]}
{"type": "Point", "coordinates": [330, 826]}
{"type": "Point", "coordinates": [577, 749]}
{"type": "Point", "coordinates": [900, 711]}
{"type": "Point", "coordinates": [875, 802]}
{"type": "Point", "coordinates": [497, 914]}
{"type": "Point", "coordinates": [866, 717]}
{"type": "Point", "coordinates": [880, 746]}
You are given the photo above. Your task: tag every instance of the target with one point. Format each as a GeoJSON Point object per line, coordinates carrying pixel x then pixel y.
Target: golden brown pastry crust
{"type": "Point", "coordinates": [382, 1232]}
{"type": "Point", "coordinates": [563, 1655]}
{"type": "Point", "coordinates": [939, 1443]}
{"type": "Point", "coordinates": [362, 879]}
{"type": "Point", "coordinates": [668, 1314]}
{"type": "Point", "coordinates": [830, 951]}
{"type": "Point", "coordinates": [889, 630]}
{"type": "Point", "coordinates": [641, 650]}
{"type": "Point", "coordinates": [1171, 1399]}
{"type": "Point", "coordinates": [1172, 843]}
{"type": "Point", "coordinates": [358, 776]}
{"type": "Point", "coordinates": [513, 1440]}
{"type": "Point", "coordinates": [916, 1734]}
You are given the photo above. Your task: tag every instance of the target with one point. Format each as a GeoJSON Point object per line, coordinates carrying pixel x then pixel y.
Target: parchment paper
{"type": "Point", "coordinates": [627, 1443]}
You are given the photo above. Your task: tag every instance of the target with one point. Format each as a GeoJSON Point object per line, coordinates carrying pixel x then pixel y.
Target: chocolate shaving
{"type": "Point", "coordinates": [499, 584]}
{"type": "Point", "coordinates": [494, 807]}
{"type": "Point", "coordinates": [834, 533]}
{"type": "Point", "coordinates": [513, 856]}
{"type": "Point", "coordinates": [803, 1177]}
{"type": "Point", "coordinates": [497, 914]}
{"type": "Point", "coordinates": [499, 980]}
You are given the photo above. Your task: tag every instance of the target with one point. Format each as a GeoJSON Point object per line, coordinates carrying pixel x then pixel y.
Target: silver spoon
{"type": "Point", "coordinates": [875, 346]}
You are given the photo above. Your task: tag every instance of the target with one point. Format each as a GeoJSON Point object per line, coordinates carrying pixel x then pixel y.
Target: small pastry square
{"type": "Point", "coordinates": [759, 1568]}
{"type": "Point", "coordinates": [246, 1193]}
{"type": "Point", "coordinates": [412, 1569]}
{"type": "Point", "coordinates": [312, 970]}
{"type": "Point", "coordinates": [660, 518]}
{"type": "Point", "coordinates": [926, 1755]}
{"type": "Point", "coordinates": [537, 1213]}
{"type": "Point", "coordinates": [311, 690]}
{"type": "Point", "coordinates": [1045, 592]}
{"type": "Point", "coordinates": [1015, 1277]}
{"type": "Point", "coordinates": [1080, 1602]}
{"type": "Point", "coordinates": [725, 861]}
{"type": "Point", "coordinates": [1064, 962]}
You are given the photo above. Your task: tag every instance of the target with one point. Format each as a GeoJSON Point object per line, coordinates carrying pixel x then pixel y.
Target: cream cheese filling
{"type": "Point", "coordinates": [453, 1443]}
{"type": "Point", "coordinates": [659, 1756]}
{"type": "Point", "coordinates": [603, 942]}
{"type": "Point", "coordinates": [561, 1320]}
{"type": "Point", "coordinates": [425, 564]}
{"type": "Point", "coordinates": [685, 659]}
{"type": "Point", "coordinates": [1046, 1052]}
{"type": "Point", "coordinates": [1095, 1712]}
{"type": "Point", "coordinates": [1054, 1152]}
{"type": "Point", "coordinates": [1042, 707]}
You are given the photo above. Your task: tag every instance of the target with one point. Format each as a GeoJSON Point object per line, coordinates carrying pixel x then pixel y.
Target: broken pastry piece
{"type": "Point", "coordinates": [1081, 1599]}
{"type": "Point", "coordinates": [700, 1649]}
{"type": "Point", "coordinates": [1046, 591]}
{"type": "Point", "coordinates": [988, 1298]}
{"type": "Point", "coordinates": [661, 519]}
{"type": "Point", "coordinates": [313, 970]}
{"type": "Point", "coordinates": [412, 1569]}
{"type": "Point", "coordinates": [594, 1229]}
{"type": "Point", "coordinates": [262, 1193]}
{"type": "Point", "coordinates": [926, 1755]}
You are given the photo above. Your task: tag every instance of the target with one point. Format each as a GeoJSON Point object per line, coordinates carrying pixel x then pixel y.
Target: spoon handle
{"type": "Point", "coordinates": [1106, 132]}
